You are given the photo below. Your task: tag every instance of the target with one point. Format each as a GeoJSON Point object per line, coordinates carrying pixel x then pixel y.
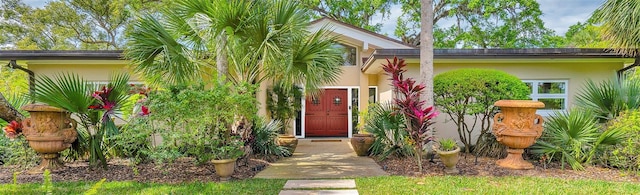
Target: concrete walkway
{"type": "Point", "coordinates": [322, 158]}
{"type": "Point", "coordinates": [320, 187]}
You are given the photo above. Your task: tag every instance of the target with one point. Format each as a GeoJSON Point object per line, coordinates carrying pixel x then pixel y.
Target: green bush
{"type": "Point", "coordinates": [575, 138]}
{"type": "Point", "coordinates": [283, 103]}
{"type": "Point", "coordinates": [609, 98]}
{"type": "Point", "coordinates": [627, 154]}
{"type": "Point", "coordinates": [17, 152]}
{"type": "Point", "coordinates": [472, 92]}
{"type": "Point", "coordinates": [388, 129]}
{"type": "Point", "coordinates": [264, 139]}
{"type": "Point", "coordinates": [195, 121]}
{"type": "Point", "coordinates": [133, 142]}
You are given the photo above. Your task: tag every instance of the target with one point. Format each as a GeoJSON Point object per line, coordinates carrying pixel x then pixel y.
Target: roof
{"type": "Point", "coordinates": [61, 55]}
{"type": "Point", "coordinates": [529, 53]}
{"type": "Point", "coordinates": [365, 31]}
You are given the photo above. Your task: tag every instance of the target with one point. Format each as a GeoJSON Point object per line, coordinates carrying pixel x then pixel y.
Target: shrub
{"type": "Point", "coordinates": [627, 154]}
{"type": "Point", "coordinates": [283, 103]}
{"type": "Point", "coordinates": [609, 98]}
{"type": "Point", "coordinates": [133, 142]}
{"type": "Point", "coordinates": [195, 121]}
{"type": "Point", "coordinates": [388, 129]}
{"type": "Point", "coordinates": [472, 92]}
{"type": "Point", "coordinates": [574, 137]}
{"type": "Point", "coordinates": [264, 139]}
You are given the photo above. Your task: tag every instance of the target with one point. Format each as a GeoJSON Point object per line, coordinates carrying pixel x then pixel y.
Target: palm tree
{"type": "Point", "coordinates": [426, 48]}
{"type": "Point", "coordinates": [620, 26]}
{"type": "Point", "coordinates": [261, 40]}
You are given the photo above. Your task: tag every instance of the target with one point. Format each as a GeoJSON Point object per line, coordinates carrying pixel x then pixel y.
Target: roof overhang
{"type": "Point", "coordinates": [366, 38]}
{"type": "Point", "coordinates": [85, 57]}
{"type": "Point", "coordinates": [484, 56]}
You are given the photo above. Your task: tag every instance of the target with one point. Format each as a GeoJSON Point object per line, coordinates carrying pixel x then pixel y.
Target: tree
{"type": "Point", "coordinates": [585, 35]}
{"type": "Point", "coordinates": [619, 22]}
{"type": "Point", "coordinates": [480, 23]}
{"type": "Point", "coordinates": [358, 13]}
{"type": "Point", "coordinates": [426, 49]}
{"type": "Point", "coordinates": [68, 24]}
{"type": "Point", "coordinates": [265, 40]}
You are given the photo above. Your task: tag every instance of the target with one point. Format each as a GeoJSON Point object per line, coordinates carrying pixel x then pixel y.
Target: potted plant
{"type": "Point", "coordinates": [225, 156]}
{"type": "Point", "coordinates": [283, 103]}
{"type": "Point", "coordinates": [362, 140]}
{"type": "Point", "coordinates": [448, 151]}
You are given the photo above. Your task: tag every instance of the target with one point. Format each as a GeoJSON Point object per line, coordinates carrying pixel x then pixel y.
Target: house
{"type": "Point", "coordinates": [332, 114]}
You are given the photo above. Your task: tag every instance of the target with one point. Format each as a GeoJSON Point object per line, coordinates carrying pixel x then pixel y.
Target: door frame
{"type": "Point", "coordinates": [349, 109]}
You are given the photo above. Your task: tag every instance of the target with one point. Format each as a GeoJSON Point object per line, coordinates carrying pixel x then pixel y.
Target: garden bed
{"type": "Point", "coordinates": [182, 170]}
{"type": "Point", "coordinates": [487, 167]}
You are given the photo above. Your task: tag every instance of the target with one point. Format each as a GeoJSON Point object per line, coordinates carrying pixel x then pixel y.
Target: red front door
{"type": "Point", "coordinates": [327, 115]}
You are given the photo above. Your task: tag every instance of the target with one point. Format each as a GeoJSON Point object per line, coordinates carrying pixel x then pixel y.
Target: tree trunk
{"type": "Point", "coordinates": [221, 56]}
{"type": "Point", "coordinates": [8, 112]}
{"type": "Point", "coordinates": [426, 49]}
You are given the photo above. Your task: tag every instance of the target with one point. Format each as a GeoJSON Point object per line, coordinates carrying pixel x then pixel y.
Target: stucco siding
{"type": "Point", "coordinates": [90, 72]}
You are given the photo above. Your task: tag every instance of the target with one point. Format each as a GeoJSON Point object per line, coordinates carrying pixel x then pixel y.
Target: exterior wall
{"type": "Point", "coordinates": [576, 73]}
{"type": "Point", "coordinates": [89, 71]}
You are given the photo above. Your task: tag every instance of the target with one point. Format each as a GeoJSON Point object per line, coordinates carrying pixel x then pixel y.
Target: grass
{"type": "Point", "coordinates": [372, 185]}
{"type": "Point", "coordinates": [252, 186]}
{"type": "Point", "coordinates": [490, 185]}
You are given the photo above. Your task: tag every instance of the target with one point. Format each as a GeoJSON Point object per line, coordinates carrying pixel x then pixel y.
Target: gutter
{"type": "Point", "coordinates": [32, 77]}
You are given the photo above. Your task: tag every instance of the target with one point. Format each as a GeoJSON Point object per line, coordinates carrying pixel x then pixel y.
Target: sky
{"type": "Point", "coordinates": [558, 14]}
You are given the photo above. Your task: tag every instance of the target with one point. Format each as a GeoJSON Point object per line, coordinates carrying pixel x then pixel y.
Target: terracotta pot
{"type": "Point", "coordinates": [224, 167]}
{"type": "Point", "coordinates": [361, 143]}
{"type": "Point", "coordinates": [517, 126]}
{"type": "Point", "coordinates": [449, 159]}
{"type": "Point", "coordinates": [288, 141]}
{"type": "Point", "coordinates": [48, 130]}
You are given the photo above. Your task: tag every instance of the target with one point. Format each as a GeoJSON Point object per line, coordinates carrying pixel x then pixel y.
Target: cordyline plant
{"type": "Point", "coordinates": [419, 117]}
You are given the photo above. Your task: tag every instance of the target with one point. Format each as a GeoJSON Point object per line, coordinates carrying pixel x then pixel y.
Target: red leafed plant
{"type": "Point", "coordinates": [13, 130]}
{"type": "Point", "coordinates": [419, 117]}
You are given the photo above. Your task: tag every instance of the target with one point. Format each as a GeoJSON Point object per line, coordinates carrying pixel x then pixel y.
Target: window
{"type": "Point", "coordinates": [348, 54]}
{"type": "Point", "coordinates": [553, 93]}
{"type": "Point", "coordinates": [373, 94]}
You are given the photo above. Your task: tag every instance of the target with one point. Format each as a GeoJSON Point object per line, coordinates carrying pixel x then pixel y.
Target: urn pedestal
{"type": "Point", "coordinates": [361, 143]}
{"type": "Point", "coordinates": [48, 130]}
{"type": "Point", "coordinates": [517, 126]}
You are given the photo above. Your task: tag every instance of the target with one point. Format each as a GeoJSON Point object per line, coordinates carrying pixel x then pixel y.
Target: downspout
{"type": "Point", "coordinates": [636, 62]}
{"type": "Point", "coordinates": [32, 77]}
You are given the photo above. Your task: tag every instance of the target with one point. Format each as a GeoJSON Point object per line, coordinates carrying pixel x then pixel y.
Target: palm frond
{"type": "Point", "coordinates": [67, 91]}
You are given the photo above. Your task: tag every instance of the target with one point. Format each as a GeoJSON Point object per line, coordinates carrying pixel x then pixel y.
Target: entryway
{"type": "Point", "coordinates": [327, 115]}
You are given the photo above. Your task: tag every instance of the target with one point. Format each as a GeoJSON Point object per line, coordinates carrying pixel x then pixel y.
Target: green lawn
{"type": "Point", "coordinates": [253, 186]}
{"type": "Point", "coordinates": [375, 185]}
{"type": "Point", "coordinates": [490, 185]}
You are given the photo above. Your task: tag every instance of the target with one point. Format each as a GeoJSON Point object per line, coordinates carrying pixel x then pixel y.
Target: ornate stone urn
{"type": "Point", "coordinates": [361, 143]}
{"type": "Point", "coordinates": [517, 126]}
{"type": "Point", "coordinates": [48, 130]}
{"type": "Point", "coordinates": [288, 141]}
{"type": "Point", "coordinates": [448, 158]}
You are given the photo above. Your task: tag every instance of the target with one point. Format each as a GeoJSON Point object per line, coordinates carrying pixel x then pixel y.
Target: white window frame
{"type": "Point", "coordinates": [535, 95]}
{"type": "Point", "coordinates": [377, 95]}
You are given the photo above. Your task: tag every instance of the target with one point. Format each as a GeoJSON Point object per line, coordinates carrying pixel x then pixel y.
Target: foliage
{"type": "Point", "coordinates": [16, 150]}
{"type": "Point", "coordinates": [264, 139]}
{"type": "Point", "coordinates": [283, 103]}
{"type": "Point", "coordinates": [575, 138]}
{"type": "Point", "coordinates": [479, 24]}
{"type": "Point", "coordinates": [13, 81]}
{"type": "Point", "coordinates": [229, 150]}
{"type": "Point", "coordinates": [490, 147]}
{"type": "Point", "coordinates": [133, 141]}
{"type": "Point", "coordinates": [609, 98]}
{"type": "Point", "coordinates": [261, 40]}
{"type": "Point", "coordinates": [472, 92]}
{"type": "Point", "coordinates": [419, 117]}
{"type": "Point", "coordinates": [388, 129]}
{"type": "Point", "coordinates": [585, 35]}
{"type": "Point", "coordinates": [95, 109]}
{"type": "Point", "coordinates": [47, 185]}
{"type": "Point", "coordinates": [357, 13]}
{"type": "Point", "coordinates": [619, 25]}
{"type": "Point", "coordinates": [627, 154]}
{"type": "Point", "coordinates": [68, 24]}
{"type": "Point", "coordinates": [200, 131]}
{"type": "Point", "coordinates": [447, 144]}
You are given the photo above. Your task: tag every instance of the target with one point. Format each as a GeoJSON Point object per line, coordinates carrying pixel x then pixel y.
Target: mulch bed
{"type": "Point", "coordinates": [182, 170]}
{"type": "Point", "coordinates": [487, 167]}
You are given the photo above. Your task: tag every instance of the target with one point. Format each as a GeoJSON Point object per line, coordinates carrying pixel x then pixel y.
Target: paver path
{"type": "Point", "coordinates": [322, 158]}
{"type": "Point", "coordinates": [333, 187]}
